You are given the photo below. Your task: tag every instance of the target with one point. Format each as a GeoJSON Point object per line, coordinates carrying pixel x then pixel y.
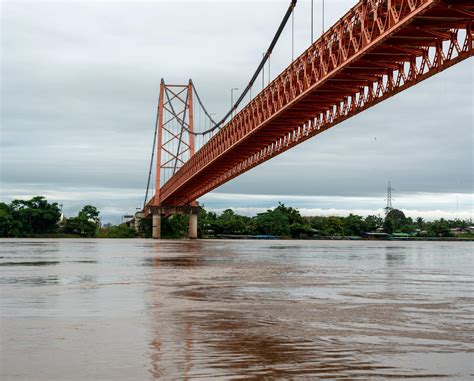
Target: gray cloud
{"type": "Point", "coordinates": [80, 83]}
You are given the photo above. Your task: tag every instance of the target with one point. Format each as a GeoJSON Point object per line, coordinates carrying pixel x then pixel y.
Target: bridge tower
{"type": "Point", "coordinates": [175, 146]}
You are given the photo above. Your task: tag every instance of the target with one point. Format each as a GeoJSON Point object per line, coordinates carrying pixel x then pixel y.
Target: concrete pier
{"type": "Point", "coordinates": [193, 226]}
{"type": "Point", "coordinates": [156, 226]}
{"type": "Point", "coordinates": [137, 220]}
{"type": "Point", "coordinates": [162, 211]}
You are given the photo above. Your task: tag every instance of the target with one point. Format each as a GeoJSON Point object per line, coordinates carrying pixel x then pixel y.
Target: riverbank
{"type": "Point", "coordinates": [346, 238]}
{"type": "Point", "coordinates": [250, 237]}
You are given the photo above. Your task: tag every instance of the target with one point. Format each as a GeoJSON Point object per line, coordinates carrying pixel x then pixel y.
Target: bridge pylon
{"type": "Point", "coordinates": [175, 146]}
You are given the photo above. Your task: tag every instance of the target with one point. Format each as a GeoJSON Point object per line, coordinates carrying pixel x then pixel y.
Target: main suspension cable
{"type": "Point", "coordinates": [292, 36]}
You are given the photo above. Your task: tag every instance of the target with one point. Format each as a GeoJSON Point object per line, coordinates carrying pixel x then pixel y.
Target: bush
{"type": "Point", "coordinates": [120, 231]}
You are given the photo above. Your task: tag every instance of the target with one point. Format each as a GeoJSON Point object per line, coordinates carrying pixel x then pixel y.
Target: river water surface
{"type": "Point", "coordinates": [145, 310]}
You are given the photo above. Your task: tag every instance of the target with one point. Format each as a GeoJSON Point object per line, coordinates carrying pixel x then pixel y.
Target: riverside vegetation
{"type": "Point", "coordinates": [39, 218]}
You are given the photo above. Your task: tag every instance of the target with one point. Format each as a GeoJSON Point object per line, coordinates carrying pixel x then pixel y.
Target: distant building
{"type": "Point", "coordinates": [469, 229]}
{"type": "Point", "coordinates": [377, 235]}
{"type": "Point", "coordinates": [401, 235]}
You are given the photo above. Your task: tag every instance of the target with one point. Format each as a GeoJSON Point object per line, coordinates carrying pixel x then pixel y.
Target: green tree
{"type": "Point", "coordinates": [80, 226]}
{"type": "Point", "coordinates": [206, 223]}
{"type": "Point", "coordinates": [281, 221]}
{"type": "Point", "coordinates": [230, 223]}
{"type": "Point", "coordinates": [293, 215]}
{"type": "Point", "coordinates": [333, 226]}
{"type": "Point", "coordinates": [420, 223]}
{"type": "Point", "coordinates": [373, 222]}
{"type": "Point", "coordinates": [355, 225]}
{"type": "Point", "coordinates": [9, 227]}
{"type": "Point", "coordinates": [317, 223]}
{"type": "Point", "coordinates": [5, 220]}
{"type": "Point", "coordinates": [85, 224]}
{"type": "Point", "coordinates": [298, 229]}
{"type": "Point", "coordinates": [145, 227]}
{"type": "Point", "coordinates": [388, 226]}
{"type": "Point", "coordinates": [274, 222]}
{"type": "Point", "coordinates": [394, 220]}
{"type": "Point", "coordinates": [409, 226]}
{"type": "Point", "coordinates": [89, 213]}
{"type": "Point", "coordinates": [32, 217]}
{"type": "Point", "coordinates": [457, 223]}
{"type": "Point", "coordinates": [439, 228]}
{"type": "Point", "coordinates": [175, 226]}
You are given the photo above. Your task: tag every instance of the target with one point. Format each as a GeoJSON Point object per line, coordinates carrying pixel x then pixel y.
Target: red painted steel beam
{"type": "Point", "coordinates": [378, 49]}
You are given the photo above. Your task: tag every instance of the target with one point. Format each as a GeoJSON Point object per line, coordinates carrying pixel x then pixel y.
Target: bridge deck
{"type": "Point", "coordinates": [376, 50]}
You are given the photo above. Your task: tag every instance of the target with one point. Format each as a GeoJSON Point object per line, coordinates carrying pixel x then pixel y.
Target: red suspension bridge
{"type": "Point", "coordinates": [376, 50]}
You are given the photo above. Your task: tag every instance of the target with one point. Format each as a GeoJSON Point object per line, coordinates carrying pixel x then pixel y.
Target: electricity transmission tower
{"type": "Point", "coordinates": [389, 206]}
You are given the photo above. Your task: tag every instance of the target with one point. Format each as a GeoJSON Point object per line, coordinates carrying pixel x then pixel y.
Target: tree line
{"type": "Point", "coordinates": [283, 221]}
{"type": "Point", "coordinates": [37, 217]}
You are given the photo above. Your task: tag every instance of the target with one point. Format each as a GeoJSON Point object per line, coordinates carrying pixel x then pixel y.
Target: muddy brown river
{"type": "Point", "coordinates": [178, 310]}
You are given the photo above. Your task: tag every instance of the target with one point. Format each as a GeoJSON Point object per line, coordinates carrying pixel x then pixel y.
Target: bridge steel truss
{"type": "Point", "coordinates": [378, 49]}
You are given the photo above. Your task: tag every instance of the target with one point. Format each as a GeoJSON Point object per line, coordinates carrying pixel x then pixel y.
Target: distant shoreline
{"type": "Point", "coordinates": [246, 237]}
{"type": "Point", "coordinates": [463, 239]}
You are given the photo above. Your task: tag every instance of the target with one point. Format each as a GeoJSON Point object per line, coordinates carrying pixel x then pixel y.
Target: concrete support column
{"type": "Point", "coordinates": [138, 217]}
{"type": "Point", "coordinates": [156, 226]}
{"type": "Point", "coordinates": [193, 226]}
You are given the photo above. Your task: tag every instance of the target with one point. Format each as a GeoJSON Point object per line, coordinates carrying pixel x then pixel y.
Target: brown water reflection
{"type": "Point", "coordinates": [251, 310]}
{"type": "Point", "coordinates": [263, 334]}
{"type": "Point", "coordinates": [254, 349]}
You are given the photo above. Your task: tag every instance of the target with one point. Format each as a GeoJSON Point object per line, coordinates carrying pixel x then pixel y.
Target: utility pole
{"type": "Point", "coordinates": [323, 17]}
{"type": "Point", "coordinates": [232, 99]}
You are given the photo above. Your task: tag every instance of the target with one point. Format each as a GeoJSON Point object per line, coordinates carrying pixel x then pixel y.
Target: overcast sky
{"type": "Point", "coordinates": [79, 86]}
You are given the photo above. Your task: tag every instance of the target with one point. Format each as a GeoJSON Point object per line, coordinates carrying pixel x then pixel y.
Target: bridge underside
{"type": "Point", "coordinates": [378, 49]}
